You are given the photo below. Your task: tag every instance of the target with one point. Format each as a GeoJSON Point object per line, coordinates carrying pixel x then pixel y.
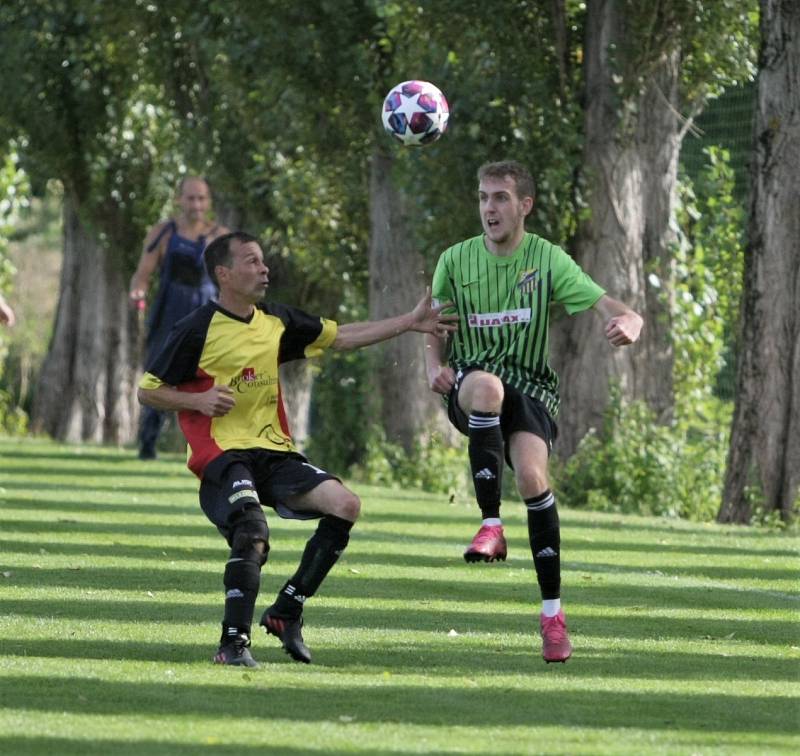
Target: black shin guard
{"type": "Point", "coordinates": [322, 551]}
{"type": "Point", "coordinates": [544, 535]}
{"type": "Point", "coordinates": [486, 460]}
{"type": "Point", "coordinates": [242, 581]}
{"type": "Point", "coordinates": [249, 548]}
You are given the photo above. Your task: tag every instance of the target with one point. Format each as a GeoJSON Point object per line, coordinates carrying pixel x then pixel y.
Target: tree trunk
{"type": "Point", "coordinates": [631, 161]}
{"type": "Point", "coordinates": [764, 457]}
{"type": "Point", "coordinates": [86, 387]}
{"type": "Point", "coordinates": [397, 279]}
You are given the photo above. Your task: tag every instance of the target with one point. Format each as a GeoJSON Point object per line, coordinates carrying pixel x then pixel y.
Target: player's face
{"type": "Point", "coordinates": [502, 212]}
{"type": "Point", "coordinates": [195, 199]}
{"type": "Point", "coordinates": [248, 276]}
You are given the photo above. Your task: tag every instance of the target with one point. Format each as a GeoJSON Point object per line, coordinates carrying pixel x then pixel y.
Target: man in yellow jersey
{"type": "Point", "coordinates": [219, 371]}
{"type": "Point", "coordinates": [501, 392]}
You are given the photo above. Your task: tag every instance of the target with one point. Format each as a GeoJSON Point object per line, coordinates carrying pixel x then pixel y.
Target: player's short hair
{"type": "Point", "coordinates": [523, 181]}
{"type": "Point", "coordinates": [219, 252]}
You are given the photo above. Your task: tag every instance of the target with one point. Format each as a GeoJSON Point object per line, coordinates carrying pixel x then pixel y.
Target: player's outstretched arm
{"type": "Point", "coordinates": [424, 318]}
{"type": "Point", "coordinates": [623, 325]}
{"type": "Point", "coordinates": [215, 402]}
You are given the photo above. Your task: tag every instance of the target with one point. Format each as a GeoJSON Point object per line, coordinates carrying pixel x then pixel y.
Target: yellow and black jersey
{"type": "Point", "coordinates": [211, 346]}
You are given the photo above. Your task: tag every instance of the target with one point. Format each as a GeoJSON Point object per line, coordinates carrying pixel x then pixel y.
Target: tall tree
{"type": "Point", "coordinates": [73, 95]}
{"type": "Point", "coordinates": [644, 65]}
{"type": "Point", "coordinates": [764, 458]}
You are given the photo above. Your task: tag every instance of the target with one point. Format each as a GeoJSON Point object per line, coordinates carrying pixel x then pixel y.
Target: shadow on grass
{"type": "Point", "coordinates": [414, 705]}
{"type": "Point", "coordinates": [49, 746]}
{"type": "Point", "coordinates": [347, 585]}
{"type": "Point", "coordinates": [94, 507]}
{"type": "Point", "coordinates": [105, 469]}
{"type": "Point", "coordinates": [443, 656]}
{"type": "Point", "coordinates": [156, 554]}
{"type": "Point", "coordinates": [699, 571]}
{"type": "Point", "coordinates": [26, 448]}
{"type": "Point", "coordinates": [450, 555]}
{"type": "Point", "coordinates": [519, 546]}
{"type": "Point", "coordinates": [654, 547]}
{"type": "Point", "coordinates": [599, 523]}
{"type": "Point", "coordinates": [90, 488]}
{"type": "Point", "coordinates": [520, 554]}
{"type": "Point", "coordinates": [281, 553]}
{"type": "Point", "coordinates": [626, 624]}
{"type": "Point", "coordinates": [54, 527]}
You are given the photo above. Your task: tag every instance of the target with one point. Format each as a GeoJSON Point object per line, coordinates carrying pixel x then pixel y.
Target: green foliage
{"type": "Point", "coordinates": [500, 109]}
{"type": "Point", "coordinates": [14, 197]}
{"type": "Point", "coordinates": [341, 411]}
{"type": "Point", "coordinates": [431, 466]}
{"type": "Point", "coordinates": [706, 290]}
{"type": "Point", "coordinates": [636, 465]}
{"type": "Point", "coordinates": [345, 439]}
{"type": "Point", "coordinates": [85, 112]}
{"type": "Point", "coordinates": [34, 246]}
{"type": "Point", "coordinates": [317, 255]}
{"type": "Point", "coordinates": [717, 41]}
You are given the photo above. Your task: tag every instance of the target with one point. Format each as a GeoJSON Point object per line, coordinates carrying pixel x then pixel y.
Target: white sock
{"type": "Point", "coordinates": [551, 607]}
{"type": "Point", "coordinates": [492, 521]}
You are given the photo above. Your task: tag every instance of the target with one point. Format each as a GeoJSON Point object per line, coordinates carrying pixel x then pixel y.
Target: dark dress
{"type": "Point", "coordinates": [183, 286]}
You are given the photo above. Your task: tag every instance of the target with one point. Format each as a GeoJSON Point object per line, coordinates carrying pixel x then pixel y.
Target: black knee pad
{"type": "Point", "coordinates": [248, 529]}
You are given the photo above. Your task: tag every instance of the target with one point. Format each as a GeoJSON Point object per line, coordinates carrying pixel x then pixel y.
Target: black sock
{"type": "Point", "coordinates": [242, 580]}
{"type": "Point", "coordinates": [486, 460]}
{"type": "Point", "coordinates": [544, 535]}
{"type": "Point", "coordinates": [321, 553]}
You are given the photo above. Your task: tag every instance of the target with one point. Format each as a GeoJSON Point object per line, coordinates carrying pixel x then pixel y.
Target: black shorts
{"type": "Point", "coordinates": [520, 412]}
{"type": "Point", "coordinates": [245, 478]}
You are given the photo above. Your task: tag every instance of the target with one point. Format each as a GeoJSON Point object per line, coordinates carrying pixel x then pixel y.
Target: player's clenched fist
{"type": "Point", "coordinates": [441, 378]}
{"type": "Point", "coordinates": [216, 402]}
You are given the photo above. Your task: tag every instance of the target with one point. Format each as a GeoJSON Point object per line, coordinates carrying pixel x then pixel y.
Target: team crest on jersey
{"type": "Point", "coordinates": [528, 281]}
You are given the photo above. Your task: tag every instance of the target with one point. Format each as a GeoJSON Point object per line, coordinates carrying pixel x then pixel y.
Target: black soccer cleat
{"type": "Point", "coordinates": [288, 631]}
{"type": "Point", "coordinates": [236, 652]}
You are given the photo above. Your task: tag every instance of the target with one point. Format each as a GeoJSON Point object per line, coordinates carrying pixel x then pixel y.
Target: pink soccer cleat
{"type": "Point", "coordinates": [556, 646]}
{"type": "Point", "coordinates": [488, 545]}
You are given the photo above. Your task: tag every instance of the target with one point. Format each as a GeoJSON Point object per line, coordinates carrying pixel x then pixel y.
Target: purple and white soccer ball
{"type": "Point", "coordinates": [415, 113]}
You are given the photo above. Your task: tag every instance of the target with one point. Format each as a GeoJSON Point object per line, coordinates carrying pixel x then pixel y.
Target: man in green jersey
{"type": "Point", "coordinates": [493, 369]}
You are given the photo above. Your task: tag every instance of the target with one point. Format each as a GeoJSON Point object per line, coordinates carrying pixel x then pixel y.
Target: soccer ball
{"type": "Point", "coordinates": [415, 113]}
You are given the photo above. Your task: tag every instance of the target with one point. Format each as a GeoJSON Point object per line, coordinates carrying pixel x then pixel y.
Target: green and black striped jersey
{"type": "Point", "coordinates": [504, 304]}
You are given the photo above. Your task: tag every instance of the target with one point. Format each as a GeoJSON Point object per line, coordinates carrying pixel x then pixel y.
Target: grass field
{"type": "Point", "coordinates": [686, 636]}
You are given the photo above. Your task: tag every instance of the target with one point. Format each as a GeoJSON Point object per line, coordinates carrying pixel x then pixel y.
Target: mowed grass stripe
{"type": "Point", "coordinates": [686, 635]}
